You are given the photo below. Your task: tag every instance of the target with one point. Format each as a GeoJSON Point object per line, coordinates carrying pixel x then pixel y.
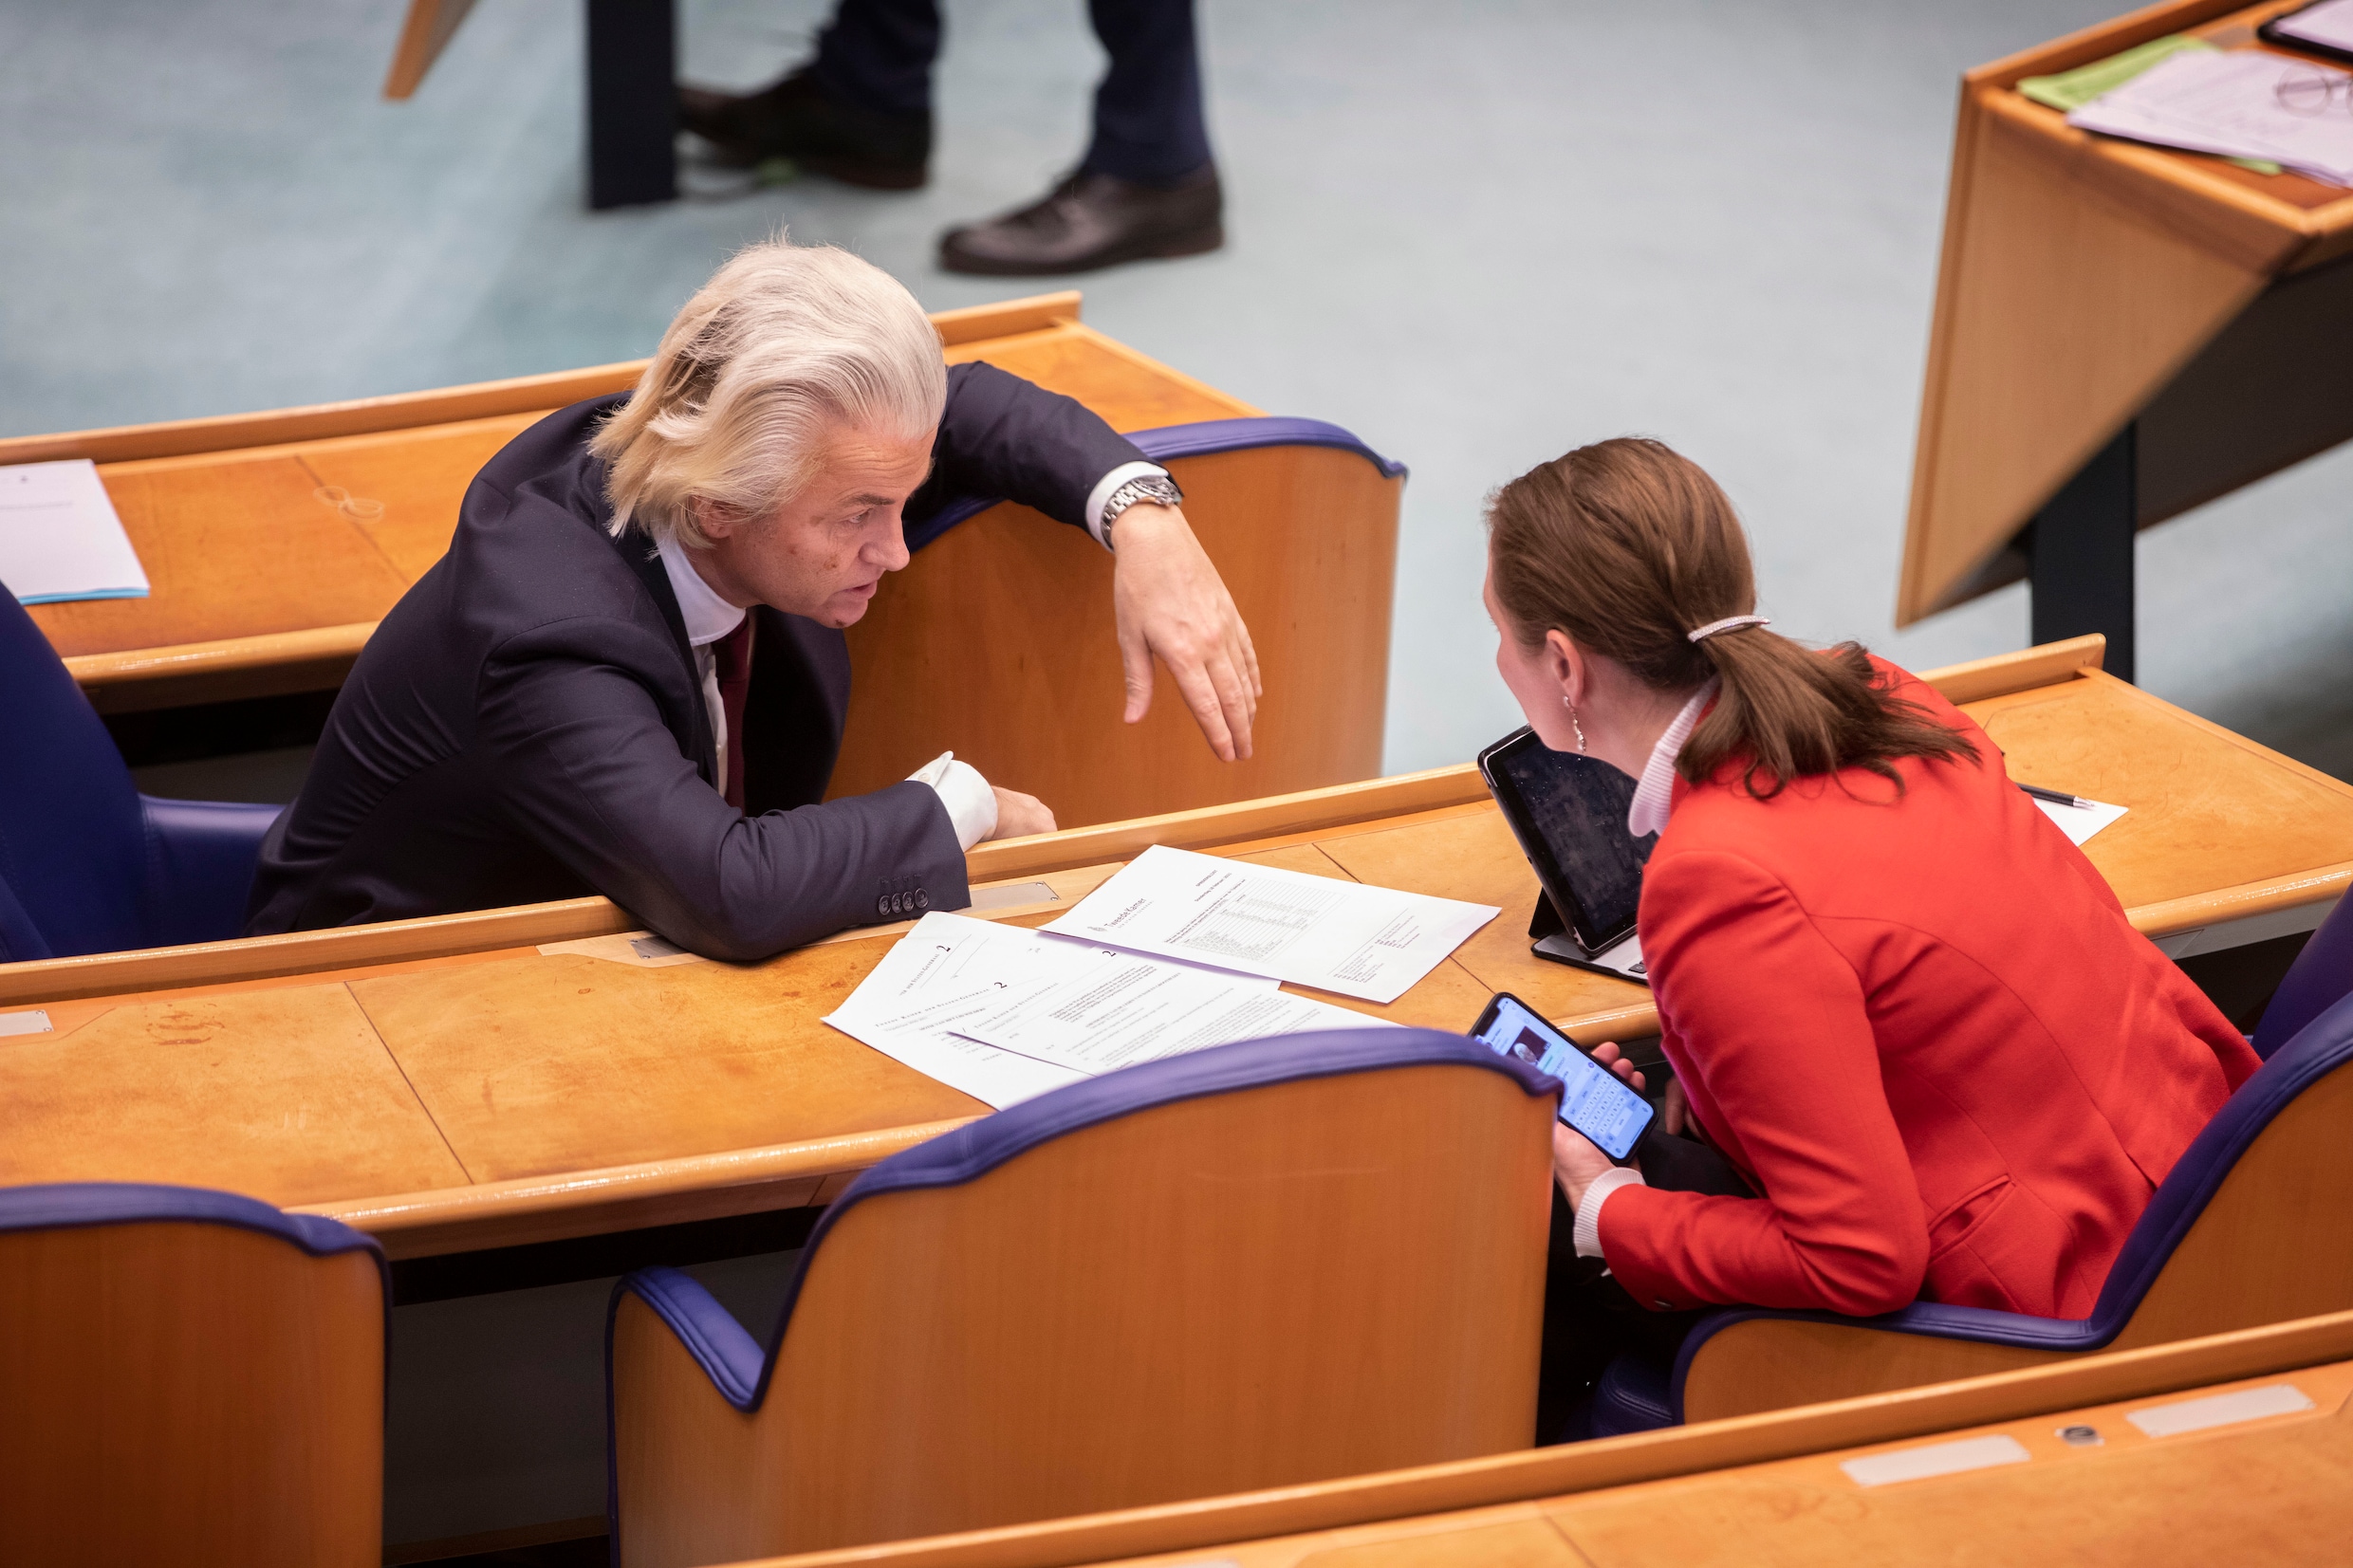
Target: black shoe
{"type": "Point", "coordinates": [1089, 221]}
{"type": "Point", "coordinates": [796, 119]}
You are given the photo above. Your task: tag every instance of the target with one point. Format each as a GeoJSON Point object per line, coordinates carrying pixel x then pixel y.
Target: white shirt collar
{"type": "Point", "coordinates": [707, 617]}
{"type": "Point", "coordinates": [1655, 791]}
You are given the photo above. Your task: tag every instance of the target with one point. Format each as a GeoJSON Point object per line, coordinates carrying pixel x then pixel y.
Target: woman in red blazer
{"type": "Point", "coordinates": [1893, 995]}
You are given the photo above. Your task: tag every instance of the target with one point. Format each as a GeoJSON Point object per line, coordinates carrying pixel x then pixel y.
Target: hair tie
{"type": "Point", "coordinates": [1727, 624]}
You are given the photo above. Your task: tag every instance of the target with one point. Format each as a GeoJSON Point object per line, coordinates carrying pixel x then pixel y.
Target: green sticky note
{"type": "Point", "coordinates": [2075, 88]}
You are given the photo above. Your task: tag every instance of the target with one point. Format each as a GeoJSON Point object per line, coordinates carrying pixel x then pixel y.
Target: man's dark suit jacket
{"type": "Point", "coordinates": [528, 722]}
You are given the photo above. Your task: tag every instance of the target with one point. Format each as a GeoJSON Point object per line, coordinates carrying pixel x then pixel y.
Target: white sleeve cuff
{"type": "Point", "coordinates": [1101, 493]}
{"type": "Point", "coordinates": [1589, 1231]}
{"type": "Point", "coordinates": [972, 804]}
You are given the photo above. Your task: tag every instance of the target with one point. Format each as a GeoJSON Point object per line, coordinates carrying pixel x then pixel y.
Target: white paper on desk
{"type": "Point", "coordinates": [60, 538]}
{"type": "Point", "coordinates": [1124, 1010]}
{"type": "Point", "coordinates": [2080, 822]}
{"type": "Point", "coordinates": [1361, 941]}
{"type": "Point", "coordinates": [2230, 103]}
{"type": "Point", "coordinates": [945, 971]}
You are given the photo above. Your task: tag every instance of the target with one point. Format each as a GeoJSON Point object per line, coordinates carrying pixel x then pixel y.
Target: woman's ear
{"type": "Point", "coordinates": [1567, 665]}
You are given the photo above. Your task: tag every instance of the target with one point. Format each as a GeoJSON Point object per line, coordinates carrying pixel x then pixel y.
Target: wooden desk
{"type": "Point", "coordinates": [449, 1086]}
{"type": "Point", "coordinates": [265, 583]}
{"type": "Point", "coordinates": [2121, 333]}
{"type": "Point", "coordinates": [1763, 1491]}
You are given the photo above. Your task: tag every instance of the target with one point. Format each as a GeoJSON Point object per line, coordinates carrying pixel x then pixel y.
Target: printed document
{"type": "Point", "coordinates": [946, 971]}
{"type": "Point", "coordinates": [1122, 1009]}
{"type": "Point", "coordinates": [60, 538]}
{"type": "Point", "coordinates": [1368, 942]}
{"type": "Point", "coordinates": [1004, 1013]}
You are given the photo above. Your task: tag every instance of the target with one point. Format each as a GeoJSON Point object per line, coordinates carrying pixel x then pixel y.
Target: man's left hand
{"type": "Point", "coordinates": [1171, 602]}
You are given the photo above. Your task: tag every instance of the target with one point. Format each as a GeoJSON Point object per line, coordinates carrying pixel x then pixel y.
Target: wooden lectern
{"type": "Point", "coordinates": [2122, 333]}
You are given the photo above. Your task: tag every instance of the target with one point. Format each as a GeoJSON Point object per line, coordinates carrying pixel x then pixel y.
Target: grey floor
{"type": "Point", "coordinates": [1477, 233]}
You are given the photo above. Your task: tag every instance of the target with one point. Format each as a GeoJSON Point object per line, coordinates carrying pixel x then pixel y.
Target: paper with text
{"type": "Point", "coordinates": [60, 538]}
{"type": "Point", "coordinates": [1123, 1009]}
{"type": "Point", "coordinates": [1368, 942]}
{"type": "Point", "coordinates": [944, 972]}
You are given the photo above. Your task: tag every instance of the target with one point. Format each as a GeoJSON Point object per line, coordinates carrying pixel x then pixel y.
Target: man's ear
{"type": "Point", "coordinates": [715, 521]}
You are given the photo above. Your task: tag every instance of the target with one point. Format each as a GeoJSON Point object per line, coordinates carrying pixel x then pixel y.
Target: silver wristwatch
{"type": "Point", "coordinates": [1158, 488]}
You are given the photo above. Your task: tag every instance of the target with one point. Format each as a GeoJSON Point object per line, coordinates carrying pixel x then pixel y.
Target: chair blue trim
{"type": "Point", "coordinates": [68, 1205]}
{"type": "Point", "coordinates": [1171, 442]}
{"type": "Point", "coordinates": [201, 857]}
{"type": "Point", "coordinates": [2319, 1049]}
{"type": "Point", "coordinates": [978, 1147]}
{"type": "Point", "coordinates": [84, 1205]}
{"type": "Point", "coordinates": [92, 865]}
{"type": "Point", "coordinates": [2321, 973]}
{"type": "Point", "coordinates": [740, 1368]}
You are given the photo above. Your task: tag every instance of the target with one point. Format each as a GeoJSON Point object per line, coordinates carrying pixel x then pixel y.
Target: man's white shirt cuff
{"type": "Point", "coordinates": [972, 804]}
{"type": "Point", "coordinates": [1588, 1231]}
{"type": "Point", "coordinates": [1100, 495]}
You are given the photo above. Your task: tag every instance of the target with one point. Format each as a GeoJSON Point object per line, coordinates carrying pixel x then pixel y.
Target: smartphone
{"type": "Point", "coordinates": [1569, 814]}
{"type": "Point", "coordinates": [1594, 1100]}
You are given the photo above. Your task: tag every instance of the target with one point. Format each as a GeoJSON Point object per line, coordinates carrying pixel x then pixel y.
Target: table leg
{"type": "Point", "coordinates": [632, 101]}
{"type": "Point", "coordinates": [2080, 550]}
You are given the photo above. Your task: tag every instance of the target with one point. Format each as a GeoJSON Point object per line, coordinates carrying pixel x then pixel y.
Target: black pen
{"type": "Point", "coordinates": [2054, 797]}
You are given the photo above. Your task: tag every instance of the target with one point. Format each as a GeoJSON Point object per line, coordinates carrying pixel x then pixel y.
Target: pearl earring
{"type": "Point", "coordinates": [1573, 724]}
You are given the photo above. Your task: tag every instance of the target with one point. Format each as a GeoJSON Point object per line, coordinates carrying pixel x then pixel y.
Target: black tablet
{"type": "Point", "coordinates": [1569, 814]}
{"type": "Point", "coordinates": [2282, 30]}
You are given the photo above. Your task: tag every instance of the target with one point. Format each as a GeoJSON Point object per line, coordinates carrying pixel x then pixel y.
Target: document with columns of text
{"type": "Point", "coordinates": [1335, 935]}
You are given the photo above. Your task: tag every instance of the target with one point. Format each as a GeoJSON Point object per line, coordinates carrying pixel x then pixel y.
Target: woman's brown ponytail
{"type": "Point", "coordinates": [1628, 546]}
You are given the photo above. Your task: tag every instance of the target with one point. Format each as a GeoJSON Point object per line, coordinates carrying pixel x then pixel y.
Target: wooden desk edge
{"type": "Point", "coordinates": [1531, 1475]}
{"type": "Point", "coordinates": [307, 952]}
{"type": "Point", "coordinates": [316, 658]}
{"type": "Point", "coordinates": [580, 1202]}
{"type": "Point", "coordinates": [443, 405]}
{"type": "Point", "coordinates": [2198, 911]}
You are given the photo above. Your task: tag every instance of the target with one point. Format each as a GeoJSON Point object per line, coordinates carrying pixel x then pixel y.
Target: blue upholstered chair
{"type": "Point", "coordinates": [91, 864]}
{"type": "Point", "coordinates": [2252, 1226]}
{"type": "Point", "coordinates": [2322, 975]}
{"type": "Point", "coordinates": [187, 1377]}
{"type": "Point", "coordinates": [1257, 1265]}
{"type": "Point", "coordinates": [1203, 439]}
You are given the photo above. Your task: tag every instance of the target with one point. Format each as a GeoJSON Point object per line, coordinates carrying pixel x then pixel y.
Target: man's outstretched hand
{"type": "Point", "coordinates": [1170, 602]}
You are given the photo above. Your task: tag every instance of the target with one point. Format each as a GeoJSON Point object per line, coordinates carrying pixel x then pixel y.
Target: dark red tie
{"type": "Point", "coordinates": [732, 655]}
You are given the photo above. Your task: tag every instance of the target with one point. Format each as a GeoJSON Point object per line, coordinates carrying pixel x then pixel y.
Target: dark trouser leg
{"type": "Point", "coordinates": [1589, 1322]}
{"type": "Point", "coordinates": [1148, 125]}
{"type": "Point", "coordinates": [632, 123]}
{"type": "Point", "coordinates": [2081, 557]}
{"type": "Point", "coordinates": [877, 55]}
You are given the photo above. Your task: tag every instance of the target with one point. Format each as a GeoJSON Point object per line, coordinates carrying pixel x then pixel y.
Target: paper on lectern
{"type": "Point", "coordinates": [2240, 104]}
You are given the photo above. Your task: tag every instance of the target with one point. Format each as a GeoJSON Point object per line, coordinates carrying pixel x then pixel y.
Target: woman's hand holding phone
{"type": "Point", "coordinates": [1576, 1159]}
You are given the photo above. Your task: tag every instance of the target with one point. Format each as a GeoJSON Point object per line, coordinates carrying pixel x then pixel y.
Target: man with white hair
{"type": "Point", "coordinates": [629, 676]}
